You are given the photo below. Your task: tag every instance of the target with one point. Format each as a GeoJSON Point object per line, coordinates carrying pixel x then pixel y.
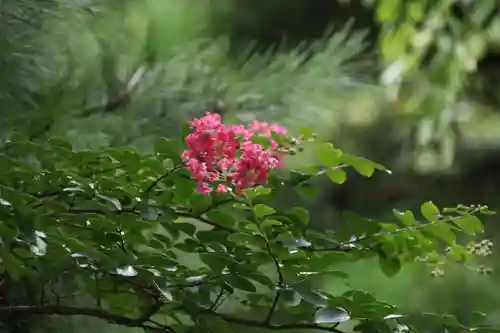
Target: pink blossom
{"type": "Point", "coordinates": [224, 156]}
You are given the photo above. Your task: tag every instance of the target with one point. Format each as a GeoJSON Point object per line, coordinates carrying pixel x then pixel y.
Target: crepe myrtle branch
{"type": "Point", "coordinates": [269, 326]}
{"type": "Point", "coordinates": [121, 320]}
{"type": "Point", "coordinates": [281, 280]}
{"type": "Point", "coordinates": [219, 300]}
{"type": "Point", "coordinates": [149, 324]}
{"type": "Point", "coordinates": [160, 178]}
{"type": "Point", "coordinates": [352, 245]}
{"type": "Point", "coordinates": [136, 212]}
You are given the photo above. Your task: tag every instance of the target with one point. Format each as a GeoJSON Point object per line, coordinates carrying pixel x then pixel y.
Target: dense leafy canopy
{"type": "Point", "coordinates": [131, 230]}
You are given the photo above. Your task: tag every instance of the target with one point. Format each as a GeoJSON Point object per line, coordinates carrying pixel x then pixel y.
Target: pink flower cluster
{"type": "Point", "coordinates": [225, 156]}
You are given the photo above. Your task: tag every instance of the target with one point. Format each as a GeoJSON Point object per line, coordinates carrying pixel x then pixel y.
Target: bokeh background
{"type": "Point", "coordinates": [410, 84]}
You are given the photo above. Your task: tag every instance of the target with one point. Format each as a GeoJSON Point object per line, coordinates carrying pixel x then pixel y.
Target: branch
{"type": "Point", "coordinates": [281, 280]}
{"type": "Point", "coordinates": [159, 179]}
{"type": "Point", "coordinates": [204, 220]}
{"type": "Point", "coordinates": [217, 205]}
{"type": "Point", "coordinates": [351, 244]}
{"type": "Point", "coordinates": [76, 311]}
{"type": "Point", "coordinates": [138, 213]}
{"type": "Point", "coordinates": [141, 321]}
{"type": "Point", "coordinates": [269, 326]}
{"type": "Point", "coordinates": [218, 300]}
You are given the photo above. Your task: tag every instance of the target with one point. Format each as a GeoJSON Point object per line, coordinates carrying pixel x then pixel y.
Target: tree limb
{"type": "Point", "coordinates": [142, 322]}
{"type": "Point", "coordinates": [75, 311]}
{"type": "Point", "coordinates": [269, 326]}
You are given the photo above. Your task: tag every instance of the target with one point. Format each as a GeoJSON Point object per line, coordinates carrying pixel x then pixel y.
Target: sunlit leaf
{"type": "Point", "coordinates": [338, 176]}
{"type": "Point", "coordinates": [270, 223]}
{"type": "Point", "coordinates": [406, 217]}
{"type": "Point", "coordinates": [331, 316]}
{"type": "Point", "coordinates": [362, 165]}
{"type": "Point", "coordinates": [328, 155]}
{"type": "Point", "coordinates": [116, 203]}
{"type": "Point", "coordinates": [429, 211]}
{"type": "Point", "coordinates": [469, 223]}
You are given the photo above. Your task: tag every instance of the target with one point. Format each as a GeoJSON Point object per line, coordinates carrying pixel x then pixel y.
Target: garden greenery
{"type": "Point", "coordinates": [155, 248]}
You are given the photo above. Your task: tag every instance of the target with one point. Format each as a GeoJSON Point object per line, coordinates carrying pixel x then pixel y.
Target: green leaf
{"type": "Point", "coordinates": [262, 279]}
{"type": "Point", "coordinates": [329, 274]}
{"type": "Point", "coordinates": [216, 324]}
{"type": "Point", "coordinates": [360, 225]}
{"type": "Point", "coordinates": [270, 223]}
{"type": "Point", "coordinates": [166, 148]}
{"type": "Point", "coordinates": [363, 166]}
{"type": "Point", "coordinates": [307, 191]}
{"type": "Point", "coordinates": [114, 201]}
{"type": "Point", "coordinates": [331, 316]}
{"type": "Point", "coordinates": [60, 142]}
{"type": "Point", "coordinates": [451, 321]}
{"type": "Point", "coordinates": [390, 266]}
{"type": "Point", "coordinates": [186, 228]}
{"type": "Point", "coordinates": [291, 298]}
{"type": "Point", "coordinates": [214, 260]}
{"type": "Point", "coordinates": [328, 155]}
{"type": "Point", "coordinates": [184, 186]}
{"type": "Point", "coordinates": [238, 282]}
{"type": "Point", "coordinates": [306, 172]}
{"type": "Point", "coordinates": [261, 210]}
{"type": "Point", "coordinates": [189, 245]}
{"type": "Point", "coordinates": [281, 139]}
{"type": "Point", "coordinates": [406, 217]}
{"type": "Point", "coordinates": [361, 297]}
{"type": "Point", "coordinates": [185, 131]}
{"type": "Point", "coordinates": [199, 202]}
{"type": "Point", "coordinates": [469, 224]}
{"type": "Point", "coordinates": [476, 318]}
{"type": "Point", "coordinates": [262, 140]}
{"type": "Point", "coordinates": [301, 214]}
{"type": "Point", "coordinates": [257, 191]}
{"type": "Point", "coordinates": [306, 133]}
{"type": "Point", "coordinates": [441, 231]}
{"type": "Point", "coordinates": [430, 211]}
{"type": "Point", "coordinates": [327, 260]}
{"type": "Point", "coordinates": [313, 298]}
{"type": "Point", "coordinates": [4, 202]}
{"type": "Point", "coordinates": [221, 218]}
{"type": "Point", "coordinates": [387, 11]}
{"type": "Point", "coordinates": [337, 176]}
{"type": "Point", "coordinates": [165, 292]}
{"type": "Point", "coordinates": [246, 239]}
{"type": "Point", "coordinates": [14, 267]}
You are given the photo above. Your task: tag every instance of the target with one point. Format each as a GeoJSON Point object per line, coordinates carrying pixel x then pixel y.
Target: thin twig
{"type": "Point", "coordinates": [159, 179]}
{"type": "Point", "coordinates": [349, 245]}
{"type": "Point", "coordinates": [217, 301]}
{"type": "Point", "coordinates": [136, 212]}
{"type": "Point", "coordinates": [281, 280]}
{"type": "Point", "coordinates": [279, 273]}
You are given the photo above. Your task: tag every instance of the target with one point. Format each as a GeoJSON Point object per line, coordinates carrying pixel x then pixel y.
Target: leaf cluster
{"type": "Point", "coordinates": [130, 230]}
